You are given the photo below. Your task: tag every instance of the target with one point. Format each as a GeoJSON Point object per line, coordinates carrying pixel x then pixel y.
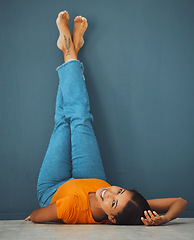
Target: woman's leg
{"type": "Point", "coordinates": [57, 165]}
{"type": "Point", "coordinates": [86, 159]}
{"type": "Point", "coordinates": [72, 107]}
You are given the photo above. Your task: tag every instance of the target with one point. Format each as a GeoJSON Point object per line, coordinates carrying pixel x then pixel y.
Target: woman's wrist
{"type": "Point", "coordinates": [165, 218]}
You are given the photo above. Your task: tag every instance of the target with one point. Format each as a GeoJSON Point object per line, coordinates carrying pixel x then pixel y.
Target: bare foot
{"type": "Point", "coordinates": [80, 26]}
{"type": "Point", "coordinates": [64, 41]}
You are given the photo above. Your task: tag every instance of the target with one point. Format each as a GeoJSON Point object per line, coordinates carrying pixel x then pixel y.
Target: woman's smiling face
{"type": "Point", "coordinates": [112, 200]}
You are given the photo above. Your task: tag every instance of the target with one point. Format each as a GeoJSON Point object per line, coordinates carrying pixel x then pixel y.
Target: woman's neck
{"type": "Point", "coordinates": [98, 214]}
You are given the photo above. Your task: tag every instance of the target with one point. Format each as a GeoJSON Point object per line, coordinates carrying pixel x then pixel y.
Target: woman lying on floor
{"type": "Point", "coordinates": [72, 186]}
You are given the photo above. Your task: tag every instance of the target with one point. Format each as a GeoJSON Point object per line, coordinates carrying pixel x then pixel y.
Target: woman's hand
{"type": "Point", "coordinates": [152, 220]}
{"type": "Point", "coordinates": [28, 218]}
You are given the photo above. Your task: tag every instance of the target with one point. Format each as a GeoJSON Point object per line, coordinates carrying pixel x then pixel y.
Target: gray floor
{"type": "Point", "coordinates": [180, 228]}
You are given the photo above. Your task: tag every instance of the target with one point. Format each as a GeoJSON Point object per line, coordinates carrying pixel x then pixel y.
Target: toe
{"type": "Point", "coordinates": [84, 20]}
{"type": "Point", "coordinates": [65, 15]}
{"type": "Point", "coordinates": [77, 19]}
{"type": "Point", "coordinates": [66, 12]}
{"type": "Point", "coordinates": [60, 14]}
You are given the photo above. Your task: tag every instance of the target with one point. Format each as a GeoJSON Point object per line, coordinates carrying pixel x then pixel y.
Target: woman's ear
{"type": "Point", "coordinates": [112, 218]}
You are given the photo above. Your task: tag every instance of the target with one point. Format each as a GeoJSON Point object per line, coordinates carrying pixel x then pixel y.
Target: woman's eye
{"type": "Point", "coordinates": [113, 203]}
{"type": "Point", "coordinates": [119, 191]}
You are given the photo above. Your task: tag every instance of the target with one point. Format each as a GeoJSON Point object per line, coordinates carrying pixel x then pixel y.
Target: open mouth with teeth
{"type": "Point", "coordinates": [102, 194]}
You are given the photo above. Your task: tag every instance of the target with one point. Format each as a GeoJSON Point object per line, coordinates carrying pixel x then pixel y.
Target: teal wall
{"type": "Point", "coordinates": [139, 68]}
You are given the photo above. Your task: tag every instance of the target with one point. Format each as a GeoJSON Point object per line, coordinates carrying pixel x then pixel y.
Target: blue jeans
{"type": "Point", "coordinates": [73, 151]}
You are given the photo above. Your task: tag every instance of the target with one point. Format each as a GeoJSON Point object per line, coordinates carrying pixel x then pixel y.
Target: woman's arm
{"type": "Point", "coordinates": [45, 214]}
{"type": "Point", "coordinates": [172, 207]}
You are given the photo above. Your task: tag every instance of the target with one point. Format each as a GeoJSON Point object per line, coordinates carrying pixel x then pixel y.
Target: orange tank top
{"type": "Point", "coordinates": [72, 200]}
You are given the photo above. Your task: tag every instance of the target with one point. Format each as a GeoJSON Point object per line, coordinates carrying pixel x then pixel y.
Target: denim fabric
{"type": "Point", "coordinates": [73, 150]}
